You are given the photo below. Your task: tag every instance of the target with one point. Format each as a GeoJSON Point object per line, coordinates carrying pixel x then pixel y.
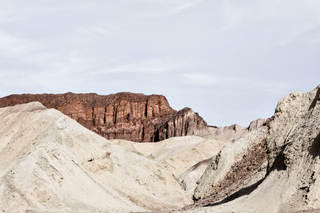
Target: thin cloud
{"type": "Point", "coordinates": [13, 45]}
{"type": "Point", "coordinates": [283, 21]}
{"type": "Point", "coordinates": [210, 80]}
{"type": "Point", "coordinates": [202, 79]}
{"type": "Point", "coordinates": [185, 6]}
{"type": "Point", "coordinates": [165, 7]}
{"type": "Point", "coordinates": [145, 66]}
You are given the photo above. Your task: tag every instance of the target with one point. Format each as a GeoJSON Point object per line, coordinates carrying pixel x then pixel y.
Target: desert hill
{"type": "Point", "coordinates": [49, 162]}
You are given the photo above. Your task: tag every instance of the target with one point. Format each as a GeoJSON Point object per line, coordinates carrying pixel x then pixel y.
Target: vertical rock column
{"type": "Point", "coordinates": [110, 115]}
{"type": "Point", "coordinates": [98, 113]}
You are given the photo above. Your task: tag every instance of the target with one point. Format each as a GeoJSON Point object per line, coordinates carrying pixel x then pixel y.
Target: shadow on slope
{"type": "Point", "coordinates": [240, 193]}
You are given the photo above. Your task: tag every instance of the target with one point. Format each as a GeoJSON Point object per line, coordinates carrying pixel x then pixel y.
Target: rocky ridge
{"type": "Point", "coordinates": [129, 116]}
{"type": "Point", "coordinates": [289, 182]}
{"type": "Point", "coordinates": [132, 116]}
{"type": "Point", "coordinates": [237, 166]}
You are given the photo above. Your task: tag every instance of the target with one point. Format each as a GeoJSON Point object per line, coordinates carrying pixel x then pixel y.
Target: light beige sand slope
{"type": "Point", "coordinates": [49, 162]}
{"type": "Point", "coordinates": [184, 155]}
{"type": "Point", "coordinates": [143, 149]}
{"type": "Point", "coordinates": [178, 153]}
{"type": "Point", "coordinates": [190, 178]}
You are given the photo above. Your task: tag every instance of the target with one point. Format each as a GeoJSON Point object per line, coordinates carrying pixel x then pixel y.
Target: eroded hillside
{"type": "Point", "coordinates": [290, 179]}
{"type": "Point", "coordinates": [49, 162]}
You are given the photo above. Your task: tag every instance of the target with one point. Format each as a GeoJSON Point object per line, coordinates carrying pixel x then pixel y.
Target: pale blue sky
{"type": "Point", "coordinates": [230, 61]}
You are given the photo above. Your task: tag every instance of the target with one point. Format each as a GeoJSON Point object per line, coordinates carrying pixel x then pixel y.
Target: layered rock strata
{"type": "Point", "coordinates": [129, 116]}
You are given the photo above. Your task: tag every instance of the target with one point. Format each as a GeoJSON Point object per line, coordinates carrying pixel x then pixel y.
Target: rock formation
{"type": "Point", "coordinates": [134, 117]}
{"type": "Point", "coordinates": [183, 123]}
{"type": "Point", "coordinates": [50, 163]}
{"type": "Point", "coordinates": [130, 116]}
{"type": "Point", "coordinates": [237, 166]}
{"type": "Point", "coordinates": [292, 178]}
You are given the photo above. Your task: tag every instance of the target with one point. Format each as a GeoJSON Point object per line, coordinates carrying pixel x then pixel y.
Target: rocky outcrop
{"type": "Point", "coordinates": [292, 179]}
{"type": "Point", "coordinates": [183, 123]}
{"type": "Point", "coordinates": [231, 170]}
{"type": "Point", "coordinates": [238, 166]}
{"type": "Point", "coordinates": [129, 116]}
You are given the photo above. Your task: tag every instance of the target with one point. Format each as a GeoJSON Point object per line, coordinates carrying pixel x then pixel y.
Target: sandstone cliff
{"type": "Point", "coordinates": [129, 116]}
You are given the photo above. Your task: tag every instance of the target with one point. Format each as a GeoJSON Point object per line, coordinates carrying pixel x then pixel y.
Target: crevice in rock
{"type": "Point", "coordinates": [316, 99]}
{"type": "Point", "coordinates": [315, 147]}
{"type": "Point", "coordinates": [278, 163]}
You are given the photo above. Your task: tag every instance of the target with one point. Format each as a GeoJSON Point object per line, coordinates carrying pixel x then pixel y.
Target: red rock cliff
{"type": "Point", "coordinates": [129, 116]}
{"type": "Point", "coordinates": [185, 122]}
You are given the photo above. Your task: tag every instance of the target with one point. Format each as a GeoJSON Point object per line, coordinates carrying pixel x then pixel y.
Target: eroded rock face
{"type": "Point", "coordinates": [127, 116]}
{"type": "Point", "coordinates": [183, 123]}
{"type": "Point", "coordinates": [237, 166]}
{"type": "Point", "coordinates": [130, 116]}
{"type": "Point", "coordinates": [292, 178]}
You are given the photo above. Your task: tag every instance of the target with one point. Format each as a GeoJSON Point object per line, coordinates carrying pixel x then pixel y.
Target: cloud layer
{"type": "Point", "coordinates": [231, 61]}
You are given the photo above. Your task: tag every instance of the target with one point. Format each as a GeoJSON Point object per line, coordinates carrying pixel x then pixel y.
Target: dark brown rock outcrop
{"type": "Point", "coordinates": [185, 122]}
{"type": "Point", "coordinates": [130, 116]}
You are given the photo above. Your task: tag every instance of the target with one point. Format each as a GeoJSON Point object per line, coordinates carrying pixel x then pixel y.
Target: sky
{"type": "Point", "coordinates": [229, 60]}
